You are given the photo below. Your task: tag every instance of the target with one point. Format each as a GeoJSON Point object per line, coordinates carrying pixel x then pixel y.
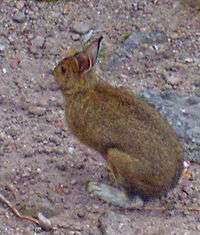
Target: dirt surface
{"type": "Point", "coordinates": [43, 167]}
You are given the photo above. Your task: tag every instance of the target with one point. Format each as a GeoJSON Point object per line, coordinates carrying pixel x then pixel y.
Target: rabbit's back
{"type": "Point", "coordinates": [107, 117]}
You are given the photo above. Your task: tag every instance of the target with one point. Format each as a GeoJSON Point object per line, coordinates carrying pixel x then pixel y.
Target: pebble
{"type": "Point", "coordinates": [81, 213]}
{"type": "Point", "coordinates": [172, 80]}
{"type": "Point", "coordinates": [20, 4]}
{"type": "Point", "coordinates": [80, 27]}
{"type": "Point", "coordinates": [12, 131]}
{"type": "Point", "coordinates": [73, 182]}
{"type": "Point", "coordinates": [55, 140]}
{"type": "Point", "coordinates": [88, 35]}
{"type": "Point", "coordinates": [28, 150]}
{"type": "Point", "coordinates": [36, 110]}
{"type": "Point", "coordinates": [188, 60]}
{"type": "Point", "coordinates": [45, 223]}
{"type": "Point", "coordinates": [198, 227]}
{"type": "Point", "coordinates": [194, 134]}
{"type": "Point", "coordinates": [2, 47]}
{"type": "Point", "coordinates": [19, 17]}
{"type": "Point", "coordinates": [2, 136]}
{"type": "Point", "coordinates": [71, 150]}
{"type": "Point", "coordinates": [38, 41]}
{"type": "Point", "coordinates": [75, 37]}
{"type": "Point", "coordinates": [4, 70]}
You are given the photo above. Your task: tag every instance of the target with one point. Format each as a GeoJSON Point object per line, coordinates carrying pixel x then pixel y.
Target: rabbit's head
{"type": "Point", "coordinates": [74, 70]}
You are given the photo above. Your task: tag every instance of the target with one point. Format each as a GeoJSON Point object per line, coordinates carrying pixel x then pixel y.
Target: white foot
{"type": "Point", "coordinates": [114, 196]}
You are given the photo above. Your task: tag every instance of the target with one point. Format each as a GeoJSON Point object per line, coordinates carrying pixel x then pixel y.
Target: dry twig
{"type": "Point", "coordinates": [40, 222]}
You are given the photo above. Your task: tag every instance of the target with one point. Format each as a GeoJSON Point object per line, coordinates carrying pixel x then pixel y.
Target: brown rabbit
{"type": "Point", "coordinates": [141, 149]}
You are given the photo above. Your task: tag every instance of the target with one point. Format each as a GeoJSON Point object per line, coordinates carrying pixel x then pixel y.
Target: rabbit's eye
{"type": "Point", "coordinates": [63, 70]}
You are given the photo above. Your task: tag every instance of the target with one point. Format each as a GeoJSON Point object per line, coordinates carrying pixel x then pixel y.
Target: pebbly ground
{"type": "Point", "coordinates": [150, 47]}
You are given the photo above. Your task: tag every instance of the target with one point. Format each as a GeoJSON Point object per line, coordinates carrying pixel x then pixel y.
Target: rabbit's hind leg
{"type": "Point", "coordinates": [113, 195]}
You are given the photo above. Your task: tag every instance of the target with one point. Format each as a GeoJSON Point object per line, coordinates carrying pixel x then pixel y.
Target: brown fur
{"type": "Point", "coordinates": [116, 123]}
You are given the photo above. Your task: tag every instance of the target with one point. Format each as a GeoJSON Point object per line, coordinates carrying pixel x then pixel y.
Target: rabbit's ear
{"type": "Point", "coordinates": [88, 57]}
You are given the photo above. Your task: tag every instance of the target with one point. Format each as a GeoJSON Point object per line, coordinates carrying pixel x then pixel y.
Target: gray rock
{"type": "Point", "coordinates": [138, 38]}
{"type": "Point", "coordinates": [88, 35]}
{"type": "Point", "coordinates": [183, 114]}
{"type": "Point", "coordinates": [80, 27]}
{"type": "Point", "coordinates": [19, 17]}
{"type": "Point", "coordinates": [38, 41]}
{"type": "Point", "coordinates": [113, 223]}
{"type": "Point", "coordinates": [135, 41]}
{"type": "Point", "coordinates": [194, 134]}
{"type": "Point", "coordinates": [192, 100]}
{"type": "Point", "coordinates": [3, 44]}
{"type": "Point", "coordinates": [75, 37]}
{"type": "Point", "coordinates": [2, 47]}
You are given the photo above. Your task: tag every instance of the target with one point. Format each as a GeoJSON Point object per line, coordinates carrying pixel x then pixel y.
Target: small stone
{"type": "Point", "coordinates": [172, 80]}
{"type": "Point", "coordinates": [38, 41]}
{"type": "Point", "coordinates": [75, 37]}
{"type": "Point", "coordinates": [2, 47]}
{"type": "Point", "coordinates": [20, 4]}
{"type": "Point", "coordinates": [28, 152]}
{"type": "Point", "coordinates": [51, 46]}
{"type": "Point", "coordinates": [188, 188]}
{"type": "Point", "coordinates": [186, 164]}
{"type": "Point", "coordinates": [196, 81]}
{"type": "Point", "coordinates": [194, 134]}
{"type": "Point", "coordinates": [193, 100]}
{"type": "Point", "coordinates": [4, 70]}
{"type": "Point", "coordinates": [14, 62]}
{"type": "Point", "coordinates": [12, 131]}
{"type": "Point", "coordinates": [66, 9]}
{"type": "Point", "coordinates": [188, 60]}
{"type": "Point", "coordinates": [36, 110]}
{"type": "Point", "coordinates": [135, 6]}
{"type": "Point", "coordinates": [81, 213]}
{"type": "Point", "coordinates": [80, 27]}
{"type": "Point", "coordinates": [19, 17]}
{"type": "Point", "coordinates": [72, 232]}
{"type": "Point", "coordinates": [156, 47]}
{"type": "Point", "coordinates": [73, 182]}
{"type": "Point", "coordinates": [2, 136]}
{"type": "Point", "coordinates": [71, 150]}
{"type": "Point", "coordinates": [45, 223]}
{"type": "Point", "coordinates": [61, 167]}
{"type": "Point", "coordinates": [55, 140]}
{"type": "Point", "coordinates": [88, 36]}
{"type": "Point", "coordinates": [198, 227]}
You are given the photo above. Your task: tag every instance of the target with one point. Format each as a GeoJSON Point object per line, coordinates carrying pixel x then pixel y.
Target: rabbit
{"type": "Point", "coordinates": [142, 151]}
